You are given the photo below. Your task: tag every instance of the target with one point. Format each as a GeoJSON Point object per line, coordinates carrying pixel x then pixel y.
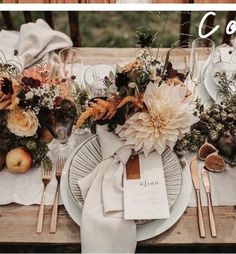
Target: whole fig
{"type": "Point", "coordinates": [227, 146]}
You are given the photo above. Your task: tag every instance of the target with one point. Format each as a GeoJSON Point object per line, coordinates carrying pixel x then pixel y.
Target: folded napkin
{"type": "Point", "coordinates": [32, 43]}
{"type": "Point", "coordinates": [103, 228]}
{"type": "Point", "coordinates": [226, 53]}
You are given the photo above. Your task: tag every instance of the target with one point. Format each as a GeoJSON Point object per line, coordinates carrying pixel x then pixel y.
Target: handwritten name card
{"type": "Point", "coordinates": [145, 196]}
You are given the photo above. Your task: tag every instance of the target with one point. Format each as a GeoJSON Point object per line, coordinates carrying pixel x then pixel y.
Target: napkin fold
{"type": "Point", "coordinates": [226, 53]}
{"type": "Point", "coordinates": [103, 228]}
{"type": "Point", "coordinates": [32, 43]}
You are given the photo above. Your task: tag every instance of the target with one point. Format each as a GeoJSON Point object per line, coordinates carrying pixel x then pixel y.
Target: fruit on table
{"type": "Point", "coordinates": [2, 159]}
{"type": "Point", "coordinates": [227, 146]}
{"type": "Point", "coordinates": [215, 163]}
{"type": "Point", "coordinates": [19, 160]}
{"type": "Point", "coordinates": [205, 150]}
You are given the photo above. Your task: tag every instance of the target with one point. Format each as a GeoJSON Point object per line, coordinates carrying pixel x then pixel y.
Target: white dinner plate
{"type": "Point", "coordinates": [89, 155]}
{"type": "Point", "coordinates": [222, 60]}
{"type": "Point", "coordinates": [144, 231]}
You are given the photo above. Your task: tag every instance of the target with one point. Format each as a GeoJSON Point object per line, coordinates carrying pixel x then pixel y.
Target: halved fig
{"type": "Point", "coordinates": [205, 150]}
{"type": "Point", "coordinates": [215, 163]}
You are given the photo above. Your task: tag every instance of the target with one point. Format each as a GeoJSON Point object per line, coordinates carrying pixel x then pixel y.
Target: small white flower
{"type": "Point", "coordinates": [29, 95]}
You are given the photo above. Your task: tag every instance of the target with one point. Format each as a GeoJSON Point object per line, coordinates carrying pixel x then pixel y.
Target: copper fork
{"type": "Point", "coordinates": [47, 175]}
{"type": "Point", "coordinates": [59, 166]}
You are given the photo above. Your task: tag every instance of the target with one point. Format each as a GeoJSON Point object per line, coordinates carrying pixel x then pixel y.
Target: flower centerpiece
{"type": "Point", "coordinates": [216, 129]}
{"type": "Point", "coordinates": [147, 105]}
{"type": "Point", "coordinates": [29, 103]}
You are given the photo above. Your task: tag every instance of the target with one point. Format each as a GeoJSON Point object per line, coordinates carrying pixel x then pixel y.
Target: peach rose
{"type": "Point", "coordinates": [23, 123]}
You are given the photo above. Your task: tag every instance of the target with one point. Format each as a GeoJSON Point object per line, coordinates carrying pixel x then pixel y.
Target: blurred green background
{"type": "Point", "coordinates": [118, 29]}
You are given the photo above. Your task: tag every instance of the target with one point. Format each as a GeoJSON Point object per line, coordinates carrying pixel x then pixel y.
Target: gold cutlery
{"type": "Point", "coordinates": [207, 185]}
{"type": "Point", "coordinates": [196, 184]}
{"type": "Point", "coordinates": [47, 175]}
{"type": "Point", "coordinates": [59, 166]}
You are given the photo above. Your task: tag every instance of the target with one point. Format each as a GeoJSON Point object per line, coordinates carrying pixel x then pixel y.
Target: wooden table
{"type": "Point", "coordinates": [18, 223]}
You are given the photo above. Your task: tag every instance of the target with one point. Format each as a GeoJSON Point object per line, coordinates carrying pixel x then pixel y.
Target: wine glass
{"type": "Point", "coordinates": [179, 58]}
{"type": "Point", "coordinates": [99, 78]}
{"type": "Point", "coordinates": [71, 66]}
{"type": "Point", "coordinates": [201, 56]}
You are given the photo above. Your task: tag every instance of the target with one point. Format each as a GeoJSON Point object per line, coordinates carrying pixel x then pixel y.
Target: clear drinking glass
{"type": "Point", "coordinates": [63, 131]}
{"type": "Point", "coordinates": [71, 66]}
{"type": "Point", "coordinates": [201, 56]}
{"type": "Point", "coordinates": [64, 117]}
{"type": "Point", "coordinates": [98, 78]}
{"type": "Point", "coordinates": [179, 58]}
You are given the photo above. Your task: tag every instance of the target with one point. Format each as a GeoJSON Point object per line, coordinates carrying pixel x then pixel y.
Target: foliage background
{"type": "Point", "coordinates": [117, 29]}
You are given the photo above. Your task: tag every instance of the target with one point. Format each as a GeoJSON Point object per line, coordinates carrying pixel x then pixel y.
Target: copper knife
{"type": "Point", "coordinates": [196, 184]}
{"type": "Point", "coordinates": [207, 185]}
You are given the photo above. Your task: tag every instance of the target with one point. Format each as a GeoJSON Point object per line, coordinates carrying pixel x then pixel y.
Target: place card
{"type": "Point", "coordinates": [145, 195]}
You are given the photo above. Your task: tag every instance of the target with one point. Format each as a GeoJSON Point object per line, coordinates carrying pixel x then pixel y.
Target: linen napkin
{"type": "Point", "coordinates": [32, 43]}
{"type": "Point", "coordinates": [226, 53]}
{"type": "Point", "coordinates": [103, 228]}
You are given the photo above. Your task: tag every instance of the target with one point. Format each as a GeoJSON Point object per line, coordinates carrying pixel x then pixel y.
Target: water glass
{"type": "Point", "coordinates": [71, 67]}
{"type": "Point", "coordinates": [201, 56]}
{"type": "Point", "coordinates": [98, 78]}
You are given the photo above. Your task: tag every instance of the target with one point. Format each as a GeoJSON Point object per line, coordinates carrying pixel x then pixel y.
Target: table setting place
{"type": "Point", "coordinates": [125, 147]}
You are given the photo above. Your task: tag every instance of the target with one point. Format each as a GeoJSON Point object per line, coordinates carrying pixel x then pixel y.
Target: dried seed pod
{"type": "Point", "coordinates": [215, 163]}
{"type": "Point", "coordinates": [205, 150]}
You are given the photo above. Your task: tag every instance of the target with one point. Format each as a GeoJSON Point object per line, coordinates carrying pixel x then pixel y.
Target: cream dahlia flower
{"type": "Point", "coordinates": [166, 118]}
{"type": "Point", "coordinates": [23, 123]}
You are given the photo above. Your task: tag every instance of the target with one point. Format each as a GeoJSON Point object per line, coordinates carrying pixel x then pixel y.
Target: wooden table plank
{"type": "Point", "coordinates": [18, 225]}
{"type": "Point", "coordinates": [117, 55]}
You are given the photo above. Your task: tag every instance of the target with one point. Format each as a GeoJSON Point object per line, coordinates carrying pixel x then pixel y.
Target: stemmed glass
{"type": "Point", "coordinates": [201, 57]}
{"type": "Point", "coordinates": [99, 78]}
{"type": "Point", "coordinates": [71, 67]}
